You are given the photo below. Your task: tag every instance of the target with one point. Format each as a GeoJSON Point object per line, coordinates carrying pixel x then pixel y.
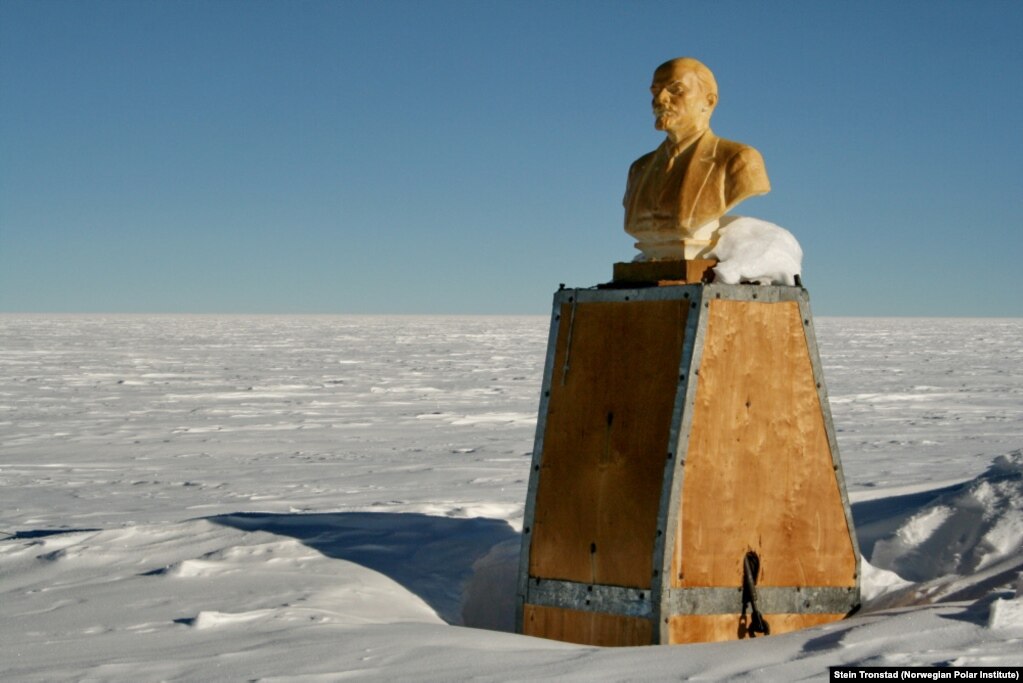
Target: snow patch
{"type": "Point", "coordinates": [875, 582]}
{"type": "Point", "coordinates": [753, 250]}
{"type": "Point", "coordinates": [1006, 614]}
{"type": "Point", "coordinates": [213, 619]}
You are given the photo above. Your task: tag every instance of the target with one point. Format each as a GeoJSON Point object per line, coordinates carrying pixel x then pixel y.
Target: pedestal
{"type": "Point", "coordinates": [684, 447]}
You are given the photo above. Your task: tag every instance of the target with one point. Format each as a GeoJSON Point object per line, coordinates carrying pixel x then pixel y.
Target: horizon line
{"type": "Point", "coordinates": [434, 314]}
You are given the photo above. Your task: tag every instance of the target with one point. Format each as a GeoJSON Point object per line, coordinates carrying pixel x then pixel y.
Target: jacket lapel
{"type": "Point", "coordinates": [697, 180]}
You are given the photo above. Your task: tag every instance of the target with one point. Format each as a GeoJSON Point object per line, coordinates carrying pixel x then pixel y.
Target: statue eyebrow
{"type": "Point", "coordinates": [680, 85]}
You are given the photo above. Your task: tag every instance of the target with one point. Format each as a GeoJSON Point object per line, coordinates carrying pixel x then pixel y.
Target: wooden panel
{"type": "Point", "coordinates": [586, 628]}
{"type": "Point", "coordinates": [705, 628]}
{"type": "Point", "coordinates": [606, 441]}
{"type": "Point", "coordinates": [758, 472]}
{"type": "Point", "coordinates": [681, 271]}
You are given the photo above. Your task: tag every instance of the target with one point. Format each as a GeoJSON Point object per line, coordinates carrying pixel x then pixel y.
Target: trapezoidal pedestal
{"type": "Point", "coordinates": [684, 448]}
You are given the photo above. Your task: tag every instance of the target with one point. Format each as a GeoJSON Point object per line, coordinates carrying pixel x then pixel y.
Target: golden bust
{"type": "Point", "coordinates": [676, 194]}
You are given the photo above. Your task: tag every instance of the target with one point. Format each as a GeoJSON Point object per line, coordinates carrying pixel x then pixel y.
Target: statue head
{"type": "Point", "coordinates": [684, 95]}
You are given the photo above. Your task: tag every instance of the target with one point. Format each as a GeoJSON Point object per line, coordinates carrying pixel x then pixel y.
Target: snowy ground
{"type": "Point", "coordinates": [322, 498]}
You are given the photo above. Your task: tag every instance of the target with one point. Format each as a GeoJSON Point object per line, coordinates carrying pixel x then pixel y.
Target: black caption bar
{"type": "Point", "coordinates": [925, 673]}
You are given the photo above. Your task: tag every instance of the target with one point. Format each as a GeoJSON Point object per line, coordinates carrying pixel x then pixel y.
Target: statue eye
{"type": "Point", "coordinates": [676, 89]}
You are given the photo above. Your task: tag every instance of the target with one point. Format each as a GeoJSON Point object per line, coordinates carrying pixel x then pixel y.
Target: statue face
{"type": "Point", "coordinates": [681, 106]}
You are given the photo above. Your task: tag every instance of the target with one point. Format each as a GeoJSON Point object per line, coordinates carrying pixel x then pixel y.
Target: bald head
{"type": "Point", "coordinates": [684, 96]}
{"type": "Point", "coordinates": [688, 64]}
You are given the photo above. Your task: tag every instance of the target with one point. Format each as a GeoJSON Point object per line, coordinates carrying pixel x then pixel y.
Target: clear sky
{"type": "Point", "coordinates": [467, 156]}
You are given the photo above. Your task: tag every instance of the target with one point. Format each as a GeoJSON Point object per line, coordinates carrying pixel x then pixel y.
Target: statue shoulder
{"type": "Point", "coordinates": [642, 161]}
{"type": "Point", "coordinates": [744, 168]}
{"type": "Point", "coordinates": [637, 167]}
{"type": "Point", "coordinates": [730, 150]}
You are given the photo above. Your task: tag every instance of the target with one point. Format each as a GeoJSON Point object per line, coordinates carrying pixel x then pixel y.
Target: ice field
{"type": "Point", "coordinates": [326, 498]}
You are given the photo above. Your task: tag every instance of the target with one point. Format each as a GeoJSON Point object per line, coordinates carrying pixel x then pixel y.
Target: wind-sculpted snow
{"type": "Point", "coordinates": [968, 529]}
{"type": "Point", "coordinates": [313, 498]}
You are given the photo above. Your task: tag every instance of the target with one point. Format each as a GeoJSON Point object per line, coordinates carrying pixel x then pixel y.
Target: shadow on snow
{"type": "Point", "coordinates": [465, 569]}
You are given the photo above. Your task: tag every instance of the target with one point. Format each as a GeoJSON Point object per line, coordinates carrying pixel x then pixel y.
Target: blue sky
{"type": "Point", "coordinates": [466, 157]}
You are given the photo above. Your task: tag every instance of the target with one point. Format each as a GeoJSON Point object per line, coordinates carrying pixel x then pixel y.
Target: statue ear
{"type": "Point", "coordinates": [712, 99]}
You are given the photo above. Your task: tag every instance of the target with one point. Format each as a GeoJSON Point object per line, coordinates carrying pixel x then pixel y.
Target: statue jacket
{"type": "Point", "coordinates": [681, 191]}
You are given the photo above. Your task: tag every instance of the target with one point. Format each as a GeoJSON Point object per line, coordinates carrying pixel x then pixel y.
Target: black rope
{"type": "Point", "coordinates": [757, 624]}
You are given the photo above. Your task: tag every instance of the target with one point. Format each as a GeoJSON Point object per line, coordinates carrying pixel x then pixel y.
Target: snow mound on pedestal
{"type": "Point", "coordinates": [752, 250]}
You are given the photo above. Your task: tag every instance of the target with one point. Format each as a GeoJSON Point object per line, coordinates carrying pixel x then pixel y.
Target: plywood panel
{"type": "Point", "coordinates": [615, 377]}
{"type": "Point", "coordinates": [758, 472]}
{"type": "Point", "coordinates": [586, 628]}
{"type": "Point", "coordinates": [705, 628]}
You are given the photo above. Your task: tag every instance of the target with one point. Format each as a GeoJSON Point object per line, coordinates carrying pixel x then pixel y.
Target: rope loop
{"type": "Point", "coordinates": [756, 623]}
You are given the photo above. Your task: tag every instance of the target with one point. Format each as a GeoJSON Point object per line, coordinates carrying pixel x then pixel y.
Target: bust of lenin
{"type": "Point", "coordinates": [676, 194]}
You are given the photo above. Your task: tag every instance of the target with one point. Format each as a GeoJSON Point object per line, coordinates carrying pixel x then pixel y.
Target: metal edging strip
{"type": "Point", "coordinates": [829, 426]}
{"type": "Point", "coordinates": [678, 443]}
{"type": "Point", "coordinates": [639, 603]}
{"type": "Point", "coordinates": [770, 600]}
{"type": "Point", "coordinates": [675, 456]}
{"type": "Point", "coordinates": [759, 293]}
{"type": "Point", "coordinates": [618, 600]}
{"type": "Point", "coordinates": [534, 469]}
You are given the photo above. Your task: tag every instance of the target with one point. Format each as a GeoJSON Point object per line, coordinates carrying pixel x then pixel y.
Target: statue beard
{"type": "Point", "coordinates": [678, 128]}
{"type": "Point", "coordinates": [661, 121]}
